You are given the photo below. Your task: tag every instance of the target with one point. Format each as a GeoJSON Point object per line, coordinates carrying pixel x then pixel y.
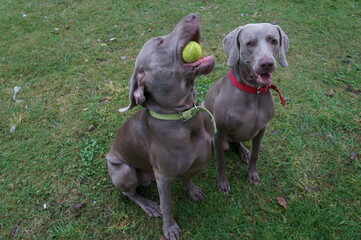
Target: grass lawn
{"type": "Point", "coordinates": [74, 77]}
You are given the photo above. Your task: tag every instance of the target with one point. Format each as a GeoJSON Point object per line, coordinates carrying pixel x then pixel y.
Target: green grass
{"type": "Point", "coordinates": [70, 79]}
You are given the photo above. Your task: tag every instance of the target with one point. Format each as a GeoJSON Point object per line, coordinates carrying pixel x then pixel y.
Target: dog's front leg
{"type": "Point", "coordinates": [252, 167]}
{"type": "Point", "coordinates": [222, 182]}
{"type": "Point", "coordinates": [171, 230]}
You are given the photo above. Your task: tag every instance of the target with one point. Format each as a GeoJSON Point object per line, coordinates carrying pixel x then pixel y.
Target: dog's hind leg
{"type": "Point", "coordinates": [149, 207]}
{"type": "Point", "coordinates": [243, 152]}
{"type": "Point", "coordinates": [194, 192]}
{"type": "Point", "coordinates": [124, 178]}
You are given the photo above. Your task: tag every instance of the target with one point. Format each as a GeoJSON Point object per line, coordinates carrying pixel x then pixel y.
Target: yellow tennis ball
{"type": "Point", "coordinates": [191, 52]}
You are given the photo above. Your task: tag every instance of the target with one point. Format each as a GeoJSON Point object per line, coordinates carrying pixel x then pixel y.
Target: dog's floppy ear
{"type": "Point", "coordinates": [136, 90]}
{"type": "Point", "coordinates": [284, 42]}
{"type": "Point", "coordinates": [231, 46]}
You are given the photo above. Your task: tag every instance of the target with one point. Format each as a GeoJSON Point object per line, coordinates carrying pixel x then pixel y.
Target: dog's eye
{"type": "Point", "coordinates": [160, 42]}
{"type": "Point", "coordinates": [274, 42]}
{"type": "Point", "coordinates": [250, 44]}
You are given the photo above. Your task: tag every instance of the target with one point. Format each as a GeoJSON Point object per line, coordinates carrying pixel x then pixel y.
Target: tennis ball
{"type": "Point", "coordinates": [191, 52]}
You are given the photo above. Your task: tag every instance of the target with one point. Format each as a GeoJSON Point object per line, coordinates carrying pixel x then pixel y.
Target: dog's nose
{"type": "Point", "coordinates": [266, 64]}
{"type": "Point", "coordinates": [191, 17]}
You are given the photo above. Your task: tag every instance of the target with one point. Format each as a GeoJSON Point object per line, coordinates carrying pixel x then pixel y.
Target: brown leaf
{"type": "Point", "coordinates": [91, 128]}
{"type": "Point", "coordinates": [274, 132]}
{"type": "Point", "coordinates": [78, 206]}
{"type": "Point", "coordinates": [16, 231]}
{"type": "Point", "coordinates": [330, 93]}
{"type": "Point", "coordinates": [105, 99]}
{"type": "Point", "coordinates": [282, 202]}
{"type": "Point", "coordinates": [12, 129]}
{"type": "Point", "coordinates": [349, 88]}
{"type": "Point", "coordinates": [83, 180]}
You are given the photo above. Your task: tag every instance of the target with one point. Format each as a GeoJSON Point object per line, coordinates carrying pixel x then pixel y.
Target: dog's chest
{"type": "Point", "coordinates": [180, 146]}
{"type": "Point", "coordinates": [250, 119]}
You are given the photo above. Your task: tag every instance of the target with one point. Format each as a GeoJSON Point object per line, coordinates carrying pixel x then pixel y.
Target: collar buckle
{"type": "Point", "coordinates": [262, 90]}
{"type": "Point", "coordinates": [188, 114]}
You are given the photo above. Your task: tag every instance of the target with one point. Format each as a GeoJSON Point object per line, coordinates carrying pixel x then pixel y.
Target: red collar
{"type": "Point", "coordinates": [254, 90]}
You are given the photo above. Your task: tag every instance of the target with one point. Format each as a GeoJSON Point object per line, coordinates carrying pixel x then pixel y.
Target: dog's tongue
{"type": "Point", "coordinates": [264, 78]}
{"type": "Point", "coordinates": [203, 65]}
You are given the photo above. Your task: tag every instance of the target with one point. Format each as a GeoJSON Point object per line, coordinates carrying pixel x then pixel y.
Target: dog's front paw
{"type": "Point", "coordinates": [223, 186]}
{"type": "Point", "coordinates": [253, 177]}
{"type": "Point", "coordinates": [172, 232]}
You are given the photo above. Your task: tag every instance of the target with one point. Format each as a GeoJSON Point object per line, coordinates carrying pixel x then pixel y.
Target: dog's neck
{"type": "Point", "coordinates": [243, 74]}
{"type": "Point", "coordinates": [172, 103]}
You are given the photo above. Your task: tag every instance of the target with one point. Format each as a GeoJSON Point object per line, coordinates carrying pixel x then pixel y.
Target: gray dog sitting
{"type": "Point", "coordinates": [169, 138]}
{"type": "Point", "coordinates": [241, 101]}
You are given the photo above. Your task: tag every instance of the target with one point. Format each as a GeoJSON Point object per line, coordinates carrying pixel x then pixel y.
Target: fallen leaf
{"type": "Point", "coordinates": [308, 189]}
{"type": "Point", "coordinates": [105, 99]}
{"type": "Point", "coordinates": [282, 202]}
{"type": "Point", "coordinates": [99, 60]}
{"type": "Point", "coordinates": [12, 129]}
{"type": "Point", "coordinates": [83, 181]}
{"type": "Point", "coordinates": [16, 90]}
{"type": "Point", "coordinates": [352, 89]}
{"type": "Point", "coordinates": [274, 132]}
{"type": "Point", "coordinates": [91, 128]}
{"type": "Point", "coordinates": [36, 207]}
{"type": "Point", "coordinates": [110, 39]}
{"type": "Point", "coordinates": [353, 155]}
{"type": "Point", "coordinates": [349, 88]}
{"type": "Point", "coordinates": [16, 231]}
{"type": "Point", "coordinates": [78, 206]}
{"type": "Point", "coordinates": [330, 94]}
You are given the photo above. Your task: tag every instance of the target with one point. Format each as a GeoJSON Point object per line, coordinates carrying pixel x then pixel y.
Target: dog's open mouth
{"type": "Point", "coordinates": [263, 79]}
{"type": "Point", "coordinates": [203, 65]}
{"type": "Point", "coordinates": [191, 32]}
